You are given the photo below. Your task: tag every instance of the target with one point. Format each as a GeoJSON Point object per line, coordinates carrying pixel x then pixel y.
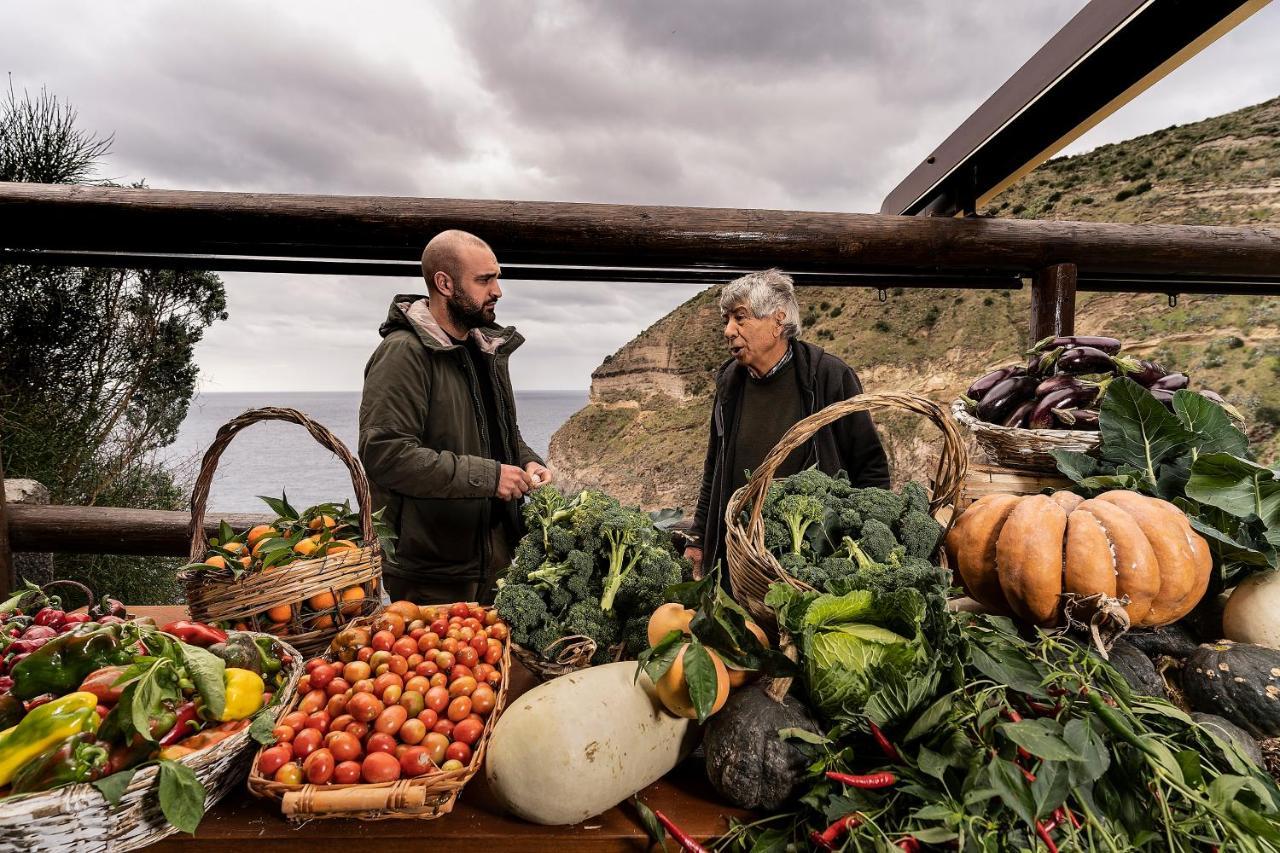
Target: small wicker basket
{"type": "Point", "coordinates": [565, 655]}
{"type": "Point", "coordinates": [217, 597]}
{"type": "Point", "coordinates": [752, 568]}
{"type": "Point", "coordinates": [419, 798]}
{"type": "Point", "coordinates": [77, 817]}
{"type": "Point", "coordinates": [1028, 449]}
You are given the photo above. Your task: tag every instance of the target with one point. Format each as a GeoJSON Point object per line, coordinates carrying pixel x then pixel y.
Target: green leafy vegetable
{"type": "Point", "coordinates": [181, 796]}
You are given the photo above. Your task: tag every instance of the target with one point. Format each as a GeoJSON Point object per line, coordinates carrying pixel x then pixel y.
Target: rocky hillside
{"type": "Point", "coordinates": [643, 435]}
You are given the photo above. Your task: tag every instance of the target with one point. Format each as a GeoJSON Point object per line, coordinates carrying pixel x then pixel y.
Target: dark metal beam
{"type": "Point", "coordinates": [1106, 55]}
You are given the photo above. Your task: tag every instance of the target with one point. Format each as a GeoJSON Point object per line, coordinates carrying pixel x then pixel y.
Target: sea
{"type": "Point", "coordinates": [274, 458]}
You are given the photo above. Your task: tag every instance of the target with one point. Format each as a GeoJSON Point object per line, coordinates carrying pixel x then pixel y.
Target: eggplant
{"type": "Point", "coordinates": [1057, 383]}
{"type": "Point", "coordinates": [1164, 396]}
{"type": "Point", "coordinates": [1007, 394]}
{"type": "Point", "coordinates": [1082, 419]}
{"type": "Point", "coordinates": [1145, 373]}
{"type": "Point", "coordinates": [1171, 382]}
{"type": "Point", "coordinates": [1110, 346]}
{"type": "Point", "coordinates": [981, 386]}
{"type": "Point", "coordinates": [1019, 415]}
{"type": "Point", "coordinates": [1212, 396]}
{"type": "Point", "coordinates": [1085, 360]}
{"type": "Point", "coordinates": [1063, 398]}
{"type": "Point", "coordinates": [1041, 364]}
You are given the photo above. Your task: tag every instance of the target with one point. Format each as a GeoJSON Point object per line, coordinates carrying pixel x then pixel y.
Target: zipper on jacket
{"type": "Point", "coordinates": [486, 527]}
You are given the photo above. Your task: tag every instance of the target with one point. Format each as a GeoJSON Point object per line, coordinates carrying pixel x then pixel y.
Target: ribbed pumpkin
{"type": "Point", "coordinates": [1019, 555]}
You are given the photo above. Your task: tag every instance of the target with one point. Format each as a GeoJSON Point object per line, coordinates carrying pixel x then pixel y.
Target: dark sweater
{"type": "Point", "coordinates": [771, 405]}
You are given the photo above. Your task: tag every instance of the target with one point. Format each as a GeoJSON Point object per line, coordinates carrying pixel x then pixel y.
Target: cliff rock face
{"type": "Point", "coordinates": [642, 436]}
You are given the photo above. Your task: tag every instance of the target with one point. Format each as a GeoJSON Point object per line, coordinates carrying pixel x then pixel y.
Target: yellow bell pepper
{"type": "Point", "coordinates": [47, 725]}
{"type": "Point", "coordinates": [244, 694]}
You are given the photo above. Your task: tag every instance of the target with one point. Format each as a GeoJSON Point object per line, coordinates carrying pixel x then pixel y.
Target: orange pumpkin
{"type": "Point", "coordinates": [1021, 555]}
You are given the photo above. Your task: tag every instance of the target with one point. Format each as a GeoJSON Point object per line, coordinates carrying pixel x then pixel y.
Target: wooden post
{"type": "Point", "coordinates": [1053, 301]}
{"type": "Point", "coordinates": [7, 579]}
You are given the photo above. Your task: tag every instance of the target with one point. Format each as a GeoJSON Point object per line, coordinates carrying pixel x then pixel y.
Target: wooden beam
{"type": "Point", "coordinates": [112, 530]}
{"type": "Point", "coordinates": [112, 219]}
{"type": "Point", "coordinates": [1053, 301]}
{"type": "Point", "coordinates": [8, 578]}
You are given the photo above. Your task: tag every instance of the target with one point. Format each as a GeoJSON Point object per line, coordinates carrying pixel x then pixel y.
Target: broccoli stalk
{"type": "Point", "coordinates": [622, 537]}
{"type": "Point", "coordinates": [799, 512]}
{"type": "Point", "coordinates": [864, 562]}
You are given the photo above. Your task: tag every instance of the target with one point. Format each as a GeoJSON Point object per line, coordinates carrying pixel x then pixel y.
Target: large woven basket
{"type": "Point", "coordinates": [78, 818]}
{"type": "Point", "coordinates": [212, 596]}
{"type": "Point", "coordinates": [420, 798]}
{"type": "Point", "coordinates": [752, 568]}
{"type": "Point", "coordinates": [1028, 449]}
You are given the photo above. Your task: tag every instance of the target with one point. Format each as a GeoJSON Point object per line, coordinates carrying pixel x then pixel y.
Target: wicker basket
{"type": "Point", "coordinates": [566, 655]}
{"type": "Point", "coordinates": [1028, 449]}
{"type": "Point", "coordinates": [419, 798]}
{"type": "Point", "coordinates": [752, 568]}
{"type": "Point", "coordinates": [214, 597]}
{"type": "Point", "coordinates": [78, 818]}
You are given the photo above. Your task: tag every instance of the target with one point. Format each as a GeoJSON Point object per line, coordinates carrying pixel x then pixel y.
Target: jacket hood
{"type": "Point", "coordinates": [412, 311]}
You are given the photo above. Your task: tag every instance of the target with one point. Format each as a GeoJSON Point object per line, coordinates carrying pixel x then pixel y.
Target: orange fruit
{"type": "Point", "coordinates": [673, 690]}
{"type": "Point", "coordinates": [321, 601]}
{"type": "Point", "coordinates": [217, 561]}
{"type": "Point", "coordinates": [245, 561]}
{"type": "Point", "coordinates": [325, 521]}
{"type": "Point", "coordinates": [342, 545]}
{"type": "Point", "coordinates": [262, 541]}
{"type": "Point", "coordinates": [280, 613]}
{"type": "Point", "coordinates": [321, 622]}
{"type": "Point", "coordinates": [259, 532]}
{"type": "Point", "coordinates": [352, 600]}
{"type": "Point", "coordinates": [234, 547]}
{"type": "Point", "coordinates": [306, 547]}
{"type": "Point", "coordinates": [668, 618]}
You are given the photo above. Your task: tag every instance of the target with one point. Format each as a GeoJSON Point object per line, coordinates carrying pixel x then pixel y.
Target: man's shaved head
{"type": "Point", "coordinates": [444, 254]}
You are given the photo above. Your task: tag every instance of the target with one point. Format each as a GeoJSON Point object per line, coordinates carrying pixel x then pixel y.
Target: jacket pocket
{"type": "Point", "coordinates": [440, 538]}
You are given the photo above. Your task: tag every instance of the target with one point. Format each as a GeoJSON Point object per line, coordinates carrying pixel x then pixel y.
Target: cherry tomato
{"type": "Point", "coordinates": [451, 765]}
{"type": "Point", "coordinates": [417, 684]}
{"type": "Point", "coordinates": [438, 627]}
{"type": "Point", "coordinates": [459, 708]}
{"type": "Point", "coordinates": [458, 751]}
{"type": "Point", "coordinates": [380, 767]}
{"type": "Point", "coordinates": [306, 742]}
{"type": "Point", "coordinates": [413, 660]}
{"type": "Point", "coordinates": [435, 745]}
{"type": "Point", "coordinates": [358, 730]}
{"type": "Point", "coordinates": [416, 633]}
{"type": "Point", "coordinates": [426, 668]}
{"type": "Point", "coordinates": [304, 684]}
{"type": "Point", "coordinates": [498, 632]}
{"type": "Point", "coordinates": [493, 654]}
{"type": "Point", "coordinates": [465, 634]}
{"type": "Point", "coordinates": [380, 742]}
{"type": "Point", "coordinates": [337, 705]}
{"type": "Point", "coordinates": [392, 694]}
{"type": "Point", "coordinates": [289, 774]}
{"type": "Point", "coordinates": [319, 721]}
{"type": "Point", "coordinates": [356, 671]}
{"type": "Point", "coordinates": [493, 679]}
{"type": "Point", "coordinates": [468, 731]}
{"type": "Point", "coordinates": [439, 680]}
{"type": "Point", "coordinates": [413, 702]}
{"type": "Point", "coordinates": [412, 732]}
{"type": "Point", "coordinates": [428, 717]}
{"type": "Point", "coordinates": [463, 686]}
{"type": "Point", "coordinates": [380, 659]}
{"type": "Point", "coordinates": [273, 759]}
{"type": "Point", "coordinates": [460, 609]}
{"type": "Point", "coordinates": [482, 671]}
{"type": "Point", "coordinates": [460, 670]}
{"type": "Point", "coordinates": [429, 641]}
{"type": "Point", "coordinates": [443, 726]}
{"type": "Point", "coordinates": [490, 617]}
{"type": "Point", "coordinates": [391, 719]}
{"type": "Point", "coordinates": [322, 675]}
{"type": "Point", "coordinates": [365, 653]}
{"type": "Point", "coordinates": [479, 644]}
{"type": "Point", "coordinates": [318, 767]}
{"type": "Point", "coordinates": [483, 700]}
{"type": "Point", "coordinates": [341, 722]}
{"type": "Point", "coordinates": [383, 641]}
{"type": "Point", "coordinates": [437, 699]}
{"type": "Point", "coordinates": [310, 665]}
{"type": "Point", "coordinates": [404, 646]}
{"type": "Point", "coordinates": [313, 701]}
{"type": "Point", "coordinates": [472, 623]}
{"type": "Point", "coordinates": [337, 687]}
{"type": "Point", "coordinates": [344, 747]}
{"type": "Point", "coordinates": [468, 657]}
{"type": "Point", "coordinates": [445, 660]}
{"type": "Point", "coordinates": [416, 761]}
{"type": "Point", "coordinates": [294, 720]}
{"type": "Point", "coordinates": [401, 749]}
{"type": "Point", "coordinates": [282, 734]}
{"type": "Point", "coordinates": [364, 707]}
{"type": "Point", "coordinates": [347, 773]}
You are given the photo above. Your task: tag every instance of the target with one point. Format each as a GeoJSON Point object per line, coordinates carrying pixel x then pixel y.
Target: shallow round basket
{"type": "Point", "coordinates": [214, 596]}
{"type": "Point", "coordinates": [752, 568]}
{"type": "Point", "coordinates": [78, 818]}
{"type": "Point", "coordinates": [566, 655]}
{"type": "Point", "coordinates": [1028, 449]}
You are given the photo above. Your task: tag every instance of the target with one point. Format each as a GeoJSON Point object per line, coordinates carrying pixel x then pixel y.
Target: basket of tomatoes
{"type": "Point", "coordinates": [393, 721]}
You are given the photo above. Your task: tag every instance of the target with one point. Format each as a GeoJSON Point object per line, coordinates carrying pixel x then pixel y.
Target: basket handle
{"type": "Point", "coordinates": [953, 461]}
{"type": "Point", "coordinates": [229, 430]}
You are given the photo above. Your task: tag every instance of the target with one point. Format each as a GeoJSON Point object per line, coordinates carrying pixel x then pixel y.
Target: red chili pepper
{"type": "Point", "coordinates": [1043, 709]}
{"type": "Point", "coordinates": [182, 725]}
{"type": "Point", "coordinates": [50, 616]}
{"type": "Point", "coordinates": [890, 751]}
{"type": "Point", "coordinates": [1071, 816]}
{"type": "Point", "coordinates": [686, 841]}
{"type": "Point", "coordinates": [827, 839]}
{"type": "Point", "coordinates": [1026, 774]}
{"type": "Point", "coordinates": [867, 781]}
{"type": "Point", "coordinates": [1044, 836]}
{"type": "Point", "coordinates": [909, 844]}
{"type": "Point", "coordinates": [1014, 717]}
{"type": "Point", "coordinates": [195, 633]}
{"type": "Point", "coordinates": [76, 619]}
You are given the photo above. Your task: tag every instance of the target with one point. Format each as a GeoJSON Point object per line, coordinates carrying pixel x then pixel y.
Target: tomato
{"type": "Point", "coordinates": [337, 705]}
{"type": "Point", "coordinates": [319, 721]}
{"type": "Point", "coordinates": [337, 687]}
{"type": "Point", "coordinates": [401, 749]}
{"type": "Point", "coordinates": [358, 730]}
{"type": "Point", "coordinates": [318, 767]}
{"type": "Point", "coordinates": [364, 685]}
{"type": "Point", "coordinates": [428, 642]}
{"type": "Point", "coordinates": [458, 751]}
{"type": "Point", "coordinates": [392, 694]}
{"type": "Point", "coordinates": [419, 625]}
{"type": "Point", "coordinates": [356, 671]}
{"type": "Point", "coordinates": [443, 726]}
{"type": "Point", "coordinates": [282, 734]}
{"type": "Point", "coordinates": [459, 670]}
{"type": "Point", "coordinates": [413, 660]}
{"type": "Point", "coordinates": [437, 698]}
{"type": "Point", "coordinates": [306, 742]}
{"type": "Point", "coordinates": [416, 633]}
{"type": "Point", "coordinates": [468, 657]}
{"type": "Point", "coordinates": [479, 644]}
{"type": "Point", "coordinates": [344, 747]}
{"type": "Point", "coordinates": [294, 720]}
{"type": "Point", "coordinates": [391, 719]}
{"type": "Point", "coordinates": [451, 765]}
{"type": "Point", "coordinates": [380, 742]}
{"type": "Point", "coordinates": [322, 675]}
{"type": "Point", "coordinates": [483, 700]}
{"type": "Point", "coordinates": [445, 660]}
{"type": "Point", "coordinates": [364, 707]}
{"type": "Point", "coordinates": [459, 708]}
{"type": "Point", "coordinates": [379, 659]}
{"type": "Point", "coordinates": [438, 627]}
{"type": "Point", "coordinates": [413, 702]}
{"type": "Point", "coordinates": [347, 773]}
{"type": "Point", "coordinates": [439, 680]}
{"type": "Point", "coordinates": [435, 744]}
{"type": "Point", "coordinates": [365, 653]}
{"type": "Point", "coordinates": [460, 609]}
{"type": "Point", "coordinates": [491, 617]}
{"type": "Point", "coordinates": [498, 632]}
{"type": "Point", "coordinates": [313, 701]}
{"type": "Point", "coordinates": [273, 759]}
{"type": "Point", "coordinates": [463, 686]}
{"type": "Point", "coordinates": [468, 731]}
{"type": "Point", "coordinates": [413, 731]}
{"type": "Point", "coordinates": [404, 646]}
{"type": "Point", "coordinates": [465, 634]}
{"type": "Point", "coordinates": [472, 623]}
{"type": "Point", "coordinates": [476, 611]}
{"type": "Point", "coordinates": [380, 767]}
{"type": "Point", "coordinates": [417, 684]}
{"type": "Point", "coordinates": [383, 641]}
{"type": "Point", "coordinates": [313, 663]}
{"type": "Point", "coordinates": [416, 761]}
{"type": "Point", "coordinates": [304, 684]}
{"type": "Point", "coordinates": [382, 682]}
{"type": "Point", "coordinates": [399, 665]}
{"type": "Point", "coordinates": [426, 668]}
{"type": "Point", "coordinates": [428, 717]}
{"type": "Point", "coordinates": [482, 671]}
{"type": "Point", "coordinates": [289, 774]}
{"type": "Point", "coordinates": [493, 679]}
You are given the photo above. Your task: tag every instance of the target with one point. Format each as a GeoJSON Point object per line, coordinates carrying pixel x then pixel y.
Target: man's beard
{"type": "Point", "coordinates": [468, 313]}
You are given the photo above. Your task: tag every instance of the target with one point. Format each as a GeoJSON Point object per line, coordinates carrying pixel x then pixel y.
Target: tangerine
{"type": "Point", "coordinates": [233, 547]}
{"type": "Point", "coordinates": [306, 547]}
{"type": "Point", "coordinates": [259, 532]}
{"type": "Point", "coordinates": [321, 601]}
{"type": "Point", "coordinates": [325, 521]}
{"type": "Point", "coordinates": [352, 600]}
{"type": "Point", "coordinates": [280, 613]}
{"type": "Point", "coordinates": [217, 561]}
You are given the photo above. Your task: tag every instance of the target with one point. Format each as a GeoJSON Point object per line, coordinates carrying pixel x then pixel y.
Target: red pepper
{"type": "Point", "coordinates": [182, 725]}
{"type": "Point", "coordinates": [50, 616]}
{"type": "Point", "coordinates": [1043, 832]}
{"type": "Point", "coordinates": [868, 781]}
{"type": "Point", "coordinates": [195, 633]}
{"type": "Point", "coordinates": [1027, 774]}
{"type": "Point", "coordinates": [890, 751]}
{"type": "Point", "coordinates": [908, 844]}
{"type": "Point", "coordinates": [1071, 816]}
{"type": "Point", "coordinates": [686, 841]}
{"type": "Point", "coordinates": [826, 840]}
{"type": "Point", "coordinates": [76, 619]}
{"type": "Point", "coordinates": [1015, 717]}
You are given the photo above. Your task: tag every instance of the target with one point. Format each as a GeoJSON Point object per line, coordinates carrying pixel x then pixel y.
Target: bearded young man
{"type": "Point", "coordinates": [438, 433]}
{"type": "Point", "coordinates": [772, 380]}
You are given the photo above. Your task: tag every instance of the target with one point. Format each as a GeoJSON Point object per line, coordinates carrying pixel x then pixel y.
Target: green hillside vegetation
{"type": "Point", "coordinates": [644, 441]}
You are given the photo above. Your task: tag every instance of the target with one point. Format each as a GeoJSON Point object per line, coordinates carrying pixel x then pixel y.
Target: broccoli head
{"type": "Point", "coordinates": [589, 620]}
{"type": "Point", "coordinates": [522, 609]}
{"type": "Point", "coordinates": [528, 557]}
{"type": "Point", "coordinates": [799, 512]}
{"type": "Point", "coordinates": [877, 540]}
{"type": "Point", "coordinates": [549, 633]}
{"type": "Point", "coordinates": [916, 498]}
{"type": "Point", "coordinates": [558, 599]}
{"type": "Point", "coordinates": [838, 567]}
{"type": "Point", "coordinates": [635, 635]}
{"type": "Point", "coordinates": [814, 576]}
{"type": "Point", "coordinates": [919, 533]}
{"type": "Point", "coordinates": [777, 538]}
{"type": "Point", "coordinates": [810, 481]}
{"type": "Point", "coordinates": [645, 588]}
{"type": "Point", "coordinates": [875, 503]}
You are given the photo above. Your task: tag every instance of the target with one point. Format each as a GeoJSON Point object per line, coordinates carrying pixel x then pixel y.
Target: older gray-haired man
{"type": "Point", "coordinates": [773, 380]}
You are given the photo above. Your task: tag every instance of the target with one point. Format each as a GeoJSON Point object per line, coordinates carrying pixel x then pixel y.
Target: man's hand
{"type": "Point", "coordinates": [539, 475]}
{"type": "Point", "coordinates": [694, 555]}
{"type": "Point", "coordinates": [513, 483]}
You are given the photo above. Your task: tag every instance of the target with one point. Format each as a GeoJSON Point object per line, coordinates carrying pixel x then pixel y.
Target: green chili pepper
{"type": "Point", "coordinates": [79, 758]}
{"type": "Point", "coordinates": [60, 665]}
{"type": "Point", "coordinates": [49, 724]}
{"type": "Point", "coordinates": [1117, 724]}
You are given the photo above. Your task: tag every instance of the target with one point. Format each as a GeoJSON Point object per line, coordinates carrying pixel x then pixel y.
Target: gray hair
{"type": "Point", "coordinates": [764, 293]}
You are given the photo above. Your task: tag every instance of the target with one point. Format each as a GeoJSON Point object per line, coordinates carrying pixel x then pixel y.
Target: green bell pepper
{"type": "Point", "coordinates": [79, 758]}
{"type": "Point", "coordinates": [49, 724]}
{"type": "Point", "coordinates": [60, 665]}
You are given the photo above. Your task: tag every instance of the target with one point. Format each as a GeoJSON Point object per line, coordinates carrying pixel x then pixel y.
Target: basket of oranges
{"type": "Point", "coordinates": [303, 576]}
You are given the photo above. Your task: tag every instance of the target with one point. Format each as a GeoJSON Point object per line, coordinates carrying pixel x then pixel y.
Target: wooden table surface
{"type": "Point", "coordinates": [242, 822]}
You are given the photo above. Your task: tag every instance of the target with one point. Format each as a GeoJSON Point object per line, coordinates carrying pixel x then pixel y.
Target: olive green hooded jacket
{"type": "Point", "coordinates": [424, 448]}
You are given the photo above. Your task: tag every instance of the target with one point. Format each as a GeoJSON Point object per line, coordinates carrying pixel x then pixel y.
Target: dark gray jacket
{"type": "Point", "coordinates": [423, 446]}
{"type": "Point", "coordinates": [850, 444]}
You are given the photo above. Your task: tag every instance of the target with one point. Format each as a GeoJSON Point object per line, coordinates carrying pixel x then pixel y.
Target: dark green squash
{"type": "Point", "coordinates": [1229, 731]}
{"type": "Point", "coordinates": [1239, 681]}
{"type": "Point", "coordinates": [1175, 641]}
{"type": "Point", "coordinates": [1136, 668]}
{"type": "Point", "coordinates": [747, 763]}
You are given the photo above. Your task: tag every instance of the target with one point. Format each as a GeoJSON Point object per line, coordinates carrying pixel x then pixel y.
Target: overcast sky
{"type": "Point", "coordinates": [820, 106]}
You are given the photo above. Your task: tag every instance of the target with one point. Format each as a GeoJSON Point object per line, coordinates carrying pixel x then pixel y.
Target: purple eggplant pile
{"type": "Point", "coordinates": [1062, 383]}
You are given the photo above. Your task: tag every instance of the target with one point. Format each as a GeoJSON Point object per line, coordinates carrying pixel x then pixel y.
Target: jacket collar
{"type": "Point", "coordinates": [412, 311]}
{"type": "Point", "coordinates": [733, 376]}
